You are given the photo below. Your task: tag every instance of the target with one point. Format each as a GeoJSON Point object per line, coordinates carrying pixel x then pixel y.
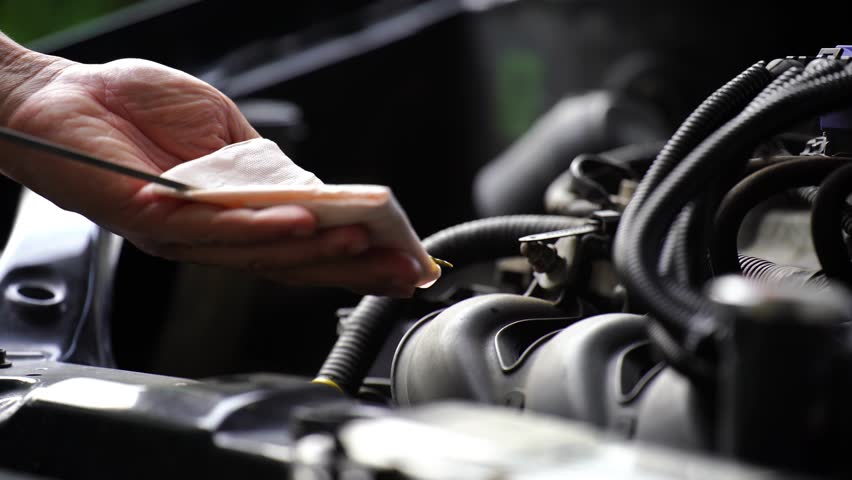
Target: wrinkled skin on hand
{"type": "Point", "coordinates": [151, 117]}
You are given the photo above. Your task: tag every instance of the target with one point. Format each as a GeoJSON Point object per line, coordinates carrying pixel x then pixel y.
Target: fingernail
{"type": "Point", "coordinates": [434, 274]}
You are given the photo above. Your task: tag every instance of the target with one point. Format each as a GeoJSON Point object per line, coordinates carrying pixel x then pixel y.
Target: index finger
{"type": "Point", "coordinates": [190, 223]}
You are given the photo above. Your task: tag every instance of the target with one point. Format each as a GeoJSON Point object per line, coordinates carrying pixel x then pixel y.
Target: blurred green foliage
{"type": "Point", "coordinates": [27, 20]}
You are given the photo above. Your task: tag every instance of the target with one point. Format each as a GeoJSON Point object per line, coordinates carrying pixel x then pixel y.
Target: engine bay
{"type": "Point", "coordinates": [649, 277]}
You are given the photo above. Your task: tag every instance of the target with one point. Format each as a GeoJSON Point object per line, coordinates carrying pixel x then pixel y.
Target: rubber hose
{"type": "Point", "coordinates": [789, 71]}
{"type": "Point", "coordinates": [674, 262]}
{"type": "Point", "coordinates": [697, 236]}
{"type": "Point", "coordinates": [694, 242]}
{"type": "Point", "coordinates": [772, 273]}
{"type": "Point", "coordinates": [785, 80]}
{"type": "Point", "coordinates": [806, 194]}
{"type": "Point", "coordinates": [826, 225]}
{"type": "Point", "coordinates": [369, 323]}
{"type": "Point", "coordinates": [659, 295]}
{"type": "Point", "coordinates": [729, 142]}
{"type": "Point", "coordinates": [716, 109]}
{"type": "Point", "coordinates": [558, 198]}
{"type": "Point", "coordinates": [686, 225]}
{"type": "Point", "coordinates": [755, 189]}
{"type": "Point", "coordinates": [723, 104]}
{"type": "Point", "coordinates": [720, 106]}
{"type": "Point", "coordinates": [809, 194]}
{"type": "Point", "coordinates": [643, 234]}
{"type": "Point", "coordinates": [635, 259]}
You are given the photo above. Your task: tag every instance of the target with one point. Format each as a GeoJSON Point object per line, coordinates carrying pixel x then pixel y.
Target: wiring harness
{"type": "Point", "coordinates": [696, 193]}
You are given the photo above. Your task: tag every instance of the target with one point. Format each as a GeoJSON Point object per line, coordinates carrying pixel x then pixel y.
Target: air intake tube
{"type": "Point", "coordinates": [366, 329]}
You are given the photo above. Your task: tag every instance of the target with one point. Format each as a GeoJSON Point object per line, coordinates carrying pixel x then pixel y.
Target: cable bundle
{"type": "Point", "coordinates": [674, 208]}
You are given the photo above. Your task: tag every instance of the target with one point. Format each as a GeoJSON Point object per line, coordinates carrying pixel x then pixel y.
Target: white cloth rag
{"type": "Point", "coordinates": [257, 174]}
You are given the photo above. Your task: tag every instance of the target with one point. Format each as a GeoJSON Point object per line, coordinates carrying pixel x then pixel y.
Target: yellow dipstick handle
{"type": "Point", "coordinates": [329, 382]}
{"type": "Point", "coordinates": [442, 263]}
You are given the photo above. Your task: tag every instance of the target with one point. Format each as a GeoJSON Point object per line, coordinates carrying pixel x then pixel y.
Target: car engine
{"type": "Point", "coordinates": [638, 289]}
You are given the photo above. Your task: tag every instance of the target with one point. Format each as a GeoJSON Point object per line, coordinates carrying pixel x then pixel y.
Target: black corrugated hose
{"type": "Point", "coordinates": [693, 227]}
{"type": "Point", "coordinates": [782, 81]}
{"type": "Point", "coordinates": [806, 194]}
{"type": "Point", "coordinates": [674, 257]}
{"type": "Point", "coordinates": [719, 107]}
{"type": "Point", "coordinates": [722, 105]}
{"type": "Point", "coordinates": [772, 273]}
{"type": "Point", "coordinates": [752, 267]}
{"type": "Point", "coordinates": [706, 172]}
{"type": "Point", "coordinates": [369, 323]}
{"type": "Point", "coordinates": [688, 236]}
{"type": "Point", "coordinates": [728, 145]}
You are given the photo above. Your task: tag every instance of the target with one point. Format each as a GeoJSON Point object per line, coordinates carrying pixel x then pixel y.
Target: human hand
{"type": "Point", "coordinates": [150, 117]}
